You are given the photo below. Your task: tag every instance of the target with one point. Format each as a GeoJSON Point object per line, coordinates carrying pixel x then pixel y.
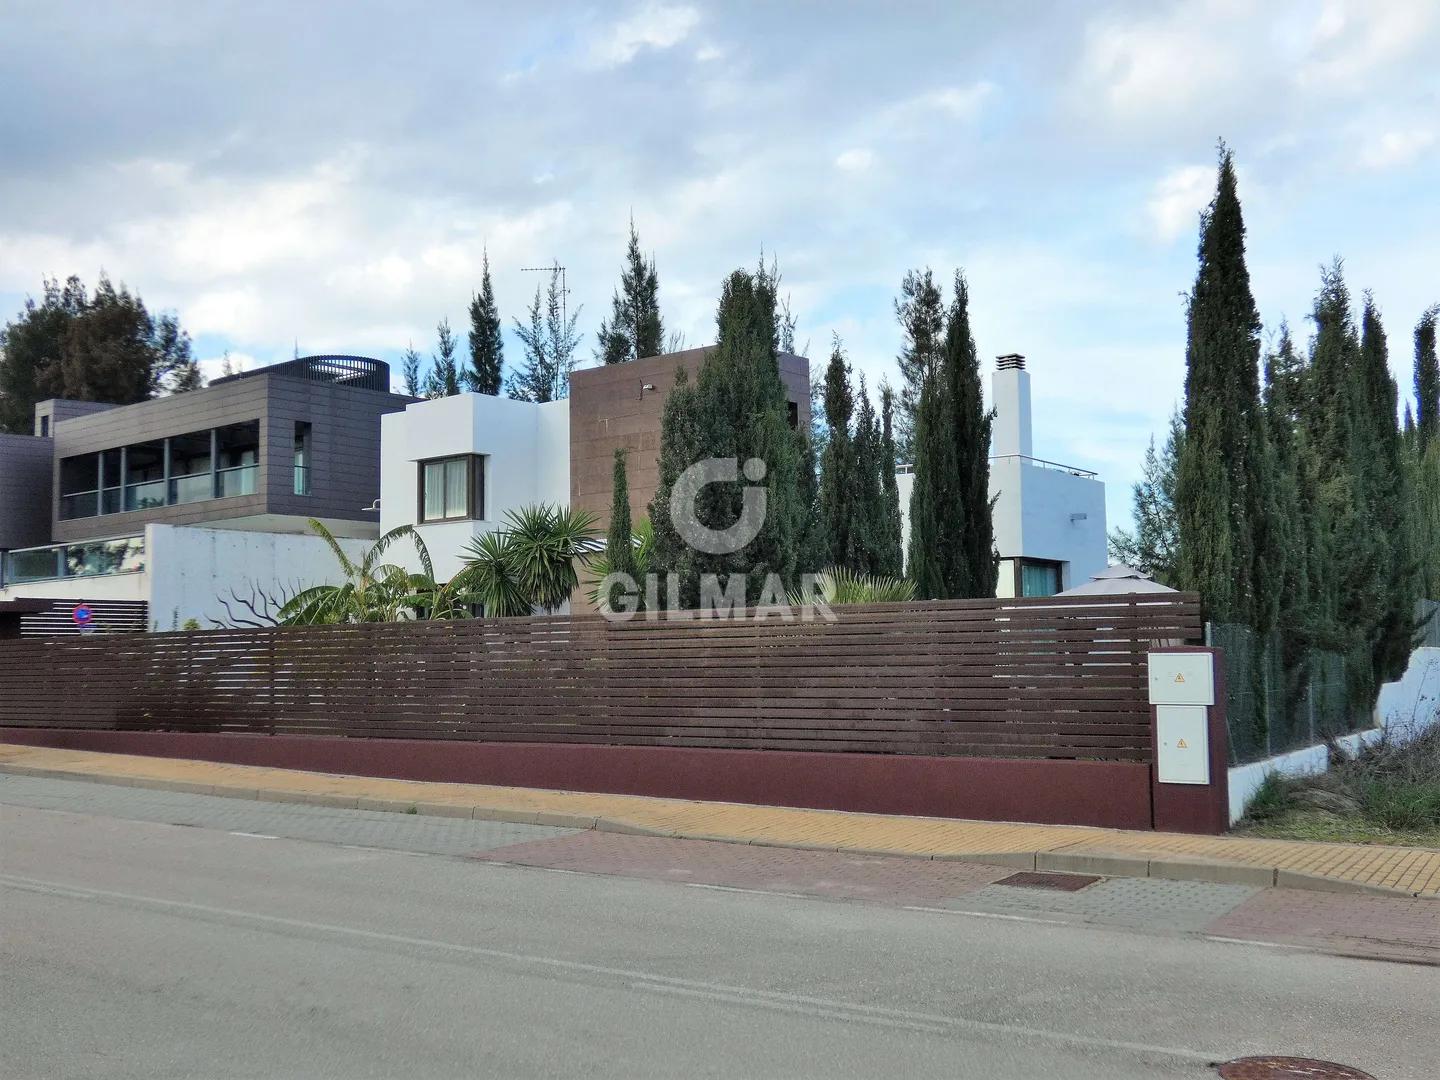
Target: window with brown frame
{"type": "Point", "coordinates": [452, 489]}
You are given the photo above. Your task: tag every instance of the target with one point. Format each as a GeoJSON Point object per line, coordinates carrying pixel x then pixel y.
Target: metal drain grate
{"type": "Point", "coordinates": [1027, 879]}
{"type": "Point", "coordinates": [1288, 1068]}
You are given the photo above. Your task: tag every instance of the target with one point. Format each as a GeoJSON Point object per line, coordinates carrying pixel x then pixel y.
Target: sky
{"type": "Point", "coordinates": [327, 175]}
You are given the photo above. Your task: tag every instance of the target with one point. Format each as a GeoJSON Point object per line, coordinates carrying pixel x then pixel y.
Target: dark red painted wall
{"type": "Point", "coordinates": [1114, 794]}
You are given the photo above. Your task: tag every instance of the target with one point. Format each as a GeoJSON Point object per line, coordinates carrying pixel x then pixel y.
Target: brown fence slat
{"type": "Point", "coordinates": [1051, 677]}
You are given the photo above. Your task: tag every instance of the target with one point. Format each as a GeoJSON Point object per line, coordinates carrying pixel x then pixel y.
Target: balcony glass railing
{"type": "Point", "coordinates": [302, 480]}
{"type": "Point", "coordinates": [192, 488]}
{"type": "Point", "coordinates": [145, 496]}
{"type": "Point", "coordinates": [92, 559]}
{"type": "Point", "coordinates": [237, 481]}
{"type": "Point", "coordinates": [79, 504]}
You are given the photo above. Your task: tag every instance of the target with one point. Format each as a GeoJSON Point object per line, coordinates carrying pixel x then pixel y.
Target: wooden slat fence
{"type": "Point", "coordinates": [1054, 677]}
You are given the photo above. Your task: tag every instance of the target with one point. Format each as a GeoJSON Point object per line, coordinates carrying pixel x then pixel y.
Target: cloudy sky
{"type": "Point", "coordinates": [329, 173]}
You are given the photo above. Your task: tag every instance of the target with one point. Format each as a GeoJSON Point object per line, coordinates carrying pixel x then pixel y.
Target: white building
{"type": "Point", "coordinates": [1049, 518]}
{"type": "Point", "coordinates": [454, 467]}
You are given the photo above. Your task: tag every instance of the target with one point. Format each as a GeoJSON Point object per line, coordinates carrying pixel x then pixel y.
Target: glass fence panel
{"type": "Point", "coordinates": [21, 566]}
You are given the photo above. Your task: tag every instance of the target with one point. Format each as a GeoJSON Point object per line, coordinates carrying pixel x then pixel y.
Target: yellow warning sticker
{"type": "Point", "coordinates": [1181, 745]}
{"type": "Point", "coordinates": [1179, 677]}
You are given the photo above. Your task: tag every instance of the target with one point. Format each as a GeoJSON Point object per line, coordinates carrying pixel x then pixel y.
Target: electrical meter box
{"type": "Point", "coordinates": [1181, 678]}
{"type": "Point", "coordinates": [1182, 737]}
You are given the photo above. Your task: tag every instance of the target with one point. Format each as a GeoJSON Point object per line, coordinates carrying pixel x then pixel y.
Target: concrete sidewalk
{"type": "Point", "coordinates": [1110, 852]}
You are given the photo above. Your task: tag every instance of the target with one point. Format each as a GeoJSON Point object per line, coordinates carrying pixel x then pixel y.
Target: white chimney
{"type": "Point", "coordinates": [1011, 385]}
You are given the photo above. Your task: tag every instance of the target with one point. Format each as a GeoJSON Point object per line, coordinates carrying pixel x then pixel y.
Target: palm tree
{"type": "Point", "coordinates": [531, 563]}
{"type": "Point", "coordinates": [841, 585]}
{"type": "Point", "coordinates": [373, 591]}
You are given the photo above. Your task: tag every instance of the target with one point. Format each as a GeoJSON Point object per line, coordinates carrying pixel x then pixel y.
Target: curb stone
{"type": "Point", "coordinates": [1054, 861]}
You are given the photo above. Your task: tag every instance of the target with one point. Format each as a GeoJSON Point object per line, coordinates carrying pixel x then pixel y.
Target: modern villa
{"type": "Point", "coordinates": [1049, 518]}
{"type": "Point", "coordinates": [162, 506]}
{"type": "Point", "coordinates": [181, 508]}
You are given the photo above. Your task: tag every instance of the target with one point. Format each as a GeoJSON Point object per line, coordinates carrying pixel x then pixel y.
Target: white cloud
{"type": "Point", "coordinates": [1177, 200]}
{"type": "Point", "coordinates": [1351, 39]}
{"type": "Point", "coordinates": [856, 159]}
{"type": "Point", "coordinates": [652, 26]}
{"type": "Point", "coordinates": [1396, 148]}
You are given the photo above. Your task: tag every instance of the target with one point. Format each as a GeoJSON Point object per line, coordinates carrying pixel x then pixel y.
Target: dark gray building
{"type": "Point", "coordinates": [26, 464]}
{"type": "Point", "coordinates": [264, 450]}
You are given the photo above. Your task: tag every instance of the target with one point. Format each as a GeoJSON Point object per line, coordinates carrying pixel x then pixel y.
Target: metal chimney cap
{"type": "Point", "coordinates": [1010, 362]}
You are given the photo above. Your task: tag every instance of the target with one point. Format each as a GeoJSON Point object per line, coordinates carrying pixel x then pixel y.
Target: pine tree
{"type": "Point", "coordinates": [410, 372]}
{"type": "Point", "coordinates": [620, 540]}
{"type": "Point", "coordinates": [549, 342]}
{"type": "Point", "coordinates": [1153, 549]}
{"type": "Point", "coordinates": [635, 329]}
{"type": "Point", "coordinates": [444, 378]}
{"type": "Point", "coordinates": [30, 348]}
{"type": "Point", "coordinates": [836, 463]}
{"type": "Point", "coordinates": [176, 369]}
{"type": "Point", "coordinates": [487, 348]}
{"type": "Point", "coordinates": [920, 310]}
{"type": "Point", "coordinates": [1219, 491]}
{"type": "Point", "coordinates": [892, 555]}
{"type": "Point", "coordinates": [975, 568]}
{"type": "Point", "coordinates": [1427, 380]}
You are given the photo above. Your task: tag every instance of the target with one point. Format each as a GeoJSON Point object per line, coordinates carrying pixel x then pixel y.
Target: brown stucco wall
{"type": "Point", "coordinates": [609, 409]}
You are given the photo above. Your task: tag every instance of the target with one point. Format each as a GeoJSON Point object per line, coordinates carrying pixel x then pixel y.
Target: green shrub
{"type": "Point", "coordinates": [1403, 804]}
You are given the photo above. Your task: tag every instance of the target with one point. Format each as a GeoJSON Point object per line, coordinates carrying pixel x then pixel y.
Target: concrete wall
{"type": "Point", "coordinates": [25, 468]}
{"type": "Point", "coordinates": [190, 569]}
{"type": "Point", "coordinates": [345, 450]}
{"type": "Point", "coordinates": [1404, 709]}
{"type": "Point", "coordinates": [526, 449]}
{"type": "Point", "coordinates": [610, 409]}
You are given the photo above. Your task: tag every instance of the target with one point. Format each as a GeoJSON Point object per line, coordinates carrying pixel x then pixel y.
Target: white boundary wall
{"type": "Point", "coordinates": [1405, 709]}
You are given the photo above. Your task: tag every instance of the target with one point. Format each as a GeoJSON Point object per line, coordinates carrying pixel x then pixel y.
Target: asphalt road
{"type": "Point", "coordinates": [133, 948]}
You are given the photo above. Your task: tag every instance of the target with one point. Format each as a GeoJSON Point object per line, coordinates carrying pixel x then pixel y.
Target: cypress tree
{"type": "Point", "coordinates": [635, 328]}
{"type": "Point", "coordinates": [892, 556]}
{"type": "Point", "coordinates": [865, 550]}
{"type": "Point", "coordinates": [1219, 485]}
{"type": "Point", "coordinates": [682, 442]}
{"type": "Point", "coordinates": [740, 411]}
{"type": "Point", "coordinates": [920, 309]}
{"type": "Point", "coordinates": [976, 568]}
{"type": "Point", "coordinates": [549, 342]}
{"type": "Point", "coordinates": [933, 536]}
{"type": "Point", "coordinates": [837, 461]}
{"type": "Point", "coordinates": [444, 379]}
{"type": "Point", "coordinates": [487, 347]}
{"type": "Point", "coordinates": [1387, 502]}
{"type": "Point", "coordinates": [619, 541]}
{"type": "Point", "coordinates": [1427, 380]}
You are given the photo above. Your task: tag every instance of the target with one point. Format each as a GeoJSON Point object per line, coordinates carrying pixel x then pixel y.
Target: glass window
{"type": "Point", "coordinates": [237, 459]}
{"type": "Point", "coordinates": [80, 486]}
{"type": "Point", "coordinates": [1039, 578]}
{"type": "Point", "coordinates": [452, 488]}
{"type": "Point", "coordinates": [190, 476]}
{"type": "Point", "coordinates": [145, 476]}
{"type": "Point", "coordinates": [302, 457]}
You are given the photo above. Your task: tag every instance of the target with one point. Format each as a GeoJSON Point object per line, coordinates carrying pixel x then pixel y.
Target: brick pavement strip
{"type": "Point", "coordinates": [1230, 860]}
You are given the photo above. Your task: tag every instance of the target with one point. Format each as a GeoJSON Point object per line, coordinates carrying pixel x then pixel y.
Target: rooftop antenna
{"type": "Point", "coordinates": [555, 268]}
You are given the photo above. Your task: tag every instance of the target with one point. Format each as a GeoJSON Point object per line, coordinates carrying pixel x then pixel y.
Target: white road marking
{"type": "Point", "coordinates": [849, 1012]}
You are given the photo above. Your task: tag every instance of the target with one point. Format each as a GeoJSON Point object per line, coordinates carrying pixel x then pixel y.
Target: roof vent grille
{"type": "Point", "coordinates": [1010, 362]}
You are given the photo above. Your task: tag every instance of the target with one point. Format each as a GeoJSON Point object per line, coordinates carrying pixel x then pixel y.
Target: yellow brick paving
{"type": "Point", "coordinates": [1410, 870]}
